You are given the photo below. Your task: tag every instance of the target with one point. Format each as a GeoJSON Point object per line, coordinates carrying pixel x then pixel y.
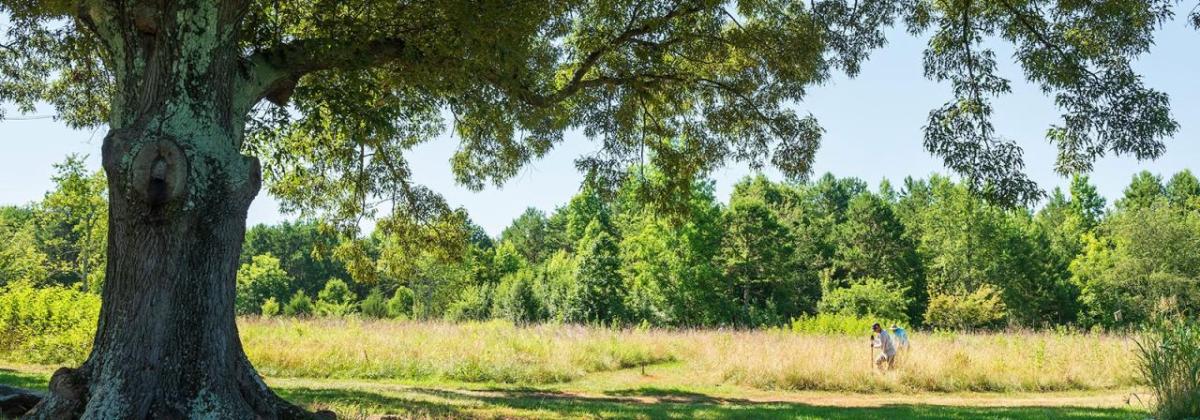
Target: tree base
{"type": "Point", "coordinates": [15, 402]}
{"type": "Point", "coordinates": [72, 397]}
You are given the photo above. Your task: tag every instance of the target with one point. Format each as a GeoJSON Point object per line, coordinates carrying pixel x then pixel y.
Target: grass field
{"type": "Point", "coordinates": [367, 369]}
{"type": "Point", "coordinates": [368, 399]}
{"type": "Point", "coordinates": [772, 360]}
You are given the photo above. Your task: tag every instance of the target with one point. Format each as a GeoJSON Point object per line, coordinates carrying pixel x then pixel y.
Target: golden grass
{"type": "Point", "coordinates": [941, 363]}
{"type": "Point", "coordinates": [475, 352]}
{"type": "Point", "coordinates": [501, 353]}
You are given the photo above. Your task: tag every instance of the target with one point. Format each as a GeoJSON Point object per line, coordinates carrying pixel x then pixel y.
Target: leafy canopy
{"type": "Point", "coordinates": [337, 91]}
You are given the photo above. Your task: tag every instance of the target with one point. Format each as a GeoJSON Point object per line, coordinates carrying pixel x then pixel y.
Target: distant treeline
{"type": "Point", "coordinates": [927, 252]}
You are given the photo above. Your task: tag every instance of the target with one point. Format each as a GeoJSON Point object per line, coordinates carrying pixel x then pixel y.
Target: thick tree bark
{"type": "Point", "coordinates": [167, 344]}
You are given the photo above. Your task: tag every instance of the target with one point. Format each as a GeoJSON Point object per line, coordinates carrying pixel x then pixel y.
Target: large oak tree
{"type": "Point", "coordinates": [204, 99]}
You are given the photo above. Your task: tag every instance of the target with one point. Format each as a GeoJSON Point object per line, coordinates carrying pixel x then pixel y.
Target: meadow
{"type": "Point", "coordinates": [418, 369]}
{"type": "Point", "coordinates": [499, 352]}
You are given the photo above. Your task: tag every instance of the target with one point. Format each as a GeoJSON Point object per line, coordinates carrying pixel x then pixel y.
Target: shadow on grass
{"type": "Point", "coordinates": [441, 403]}
{"type": "Point", "coordinates": [405, 402]}
{"type": "Point", "coordinates": [667, 395]}
{"type": "Point", "coordinates": [361, 404]}
{"type": "Point", "coordinates": [24, 380]}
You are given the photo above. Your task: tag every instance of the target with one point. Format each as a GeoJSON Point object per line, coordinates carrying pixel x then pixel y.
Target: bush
{"type": "Point", "coordinates": [473, 304]}
{"type": "Point", "coordinates": [270, 308]}
{"type": "Point", "coordinates": [300, 305]}
{"type": "Point", "coordinates": [336, 299]}
{"type": "Point", "coordinates": [1169, 356]}
{"type": "Point", "coordinates": [374, 306]}
{"type": "Point", "coordinates": [401, 303]}
{"type": "Point", "coordinates": [260, 279]}
{"type": "Point", "coordinates": [515, 300]}
{"type": "Point", "coordinates": [838, 324]}
{"type": "Point", "coordinates": [872, 298]}
{"type": "Point", "coordinates": [46, 325]}
{"type": "Point", "coordinates": [982, 309]}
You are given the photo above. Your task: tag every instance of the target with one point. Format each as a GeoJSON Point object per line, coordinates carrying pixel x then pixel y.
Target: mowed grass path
{"type": "Point", "coordinates": [361, 399]}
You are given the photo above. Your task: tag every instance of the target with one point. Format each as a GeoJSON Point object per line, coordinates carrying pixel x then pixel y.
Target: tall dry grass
{"type": "Point", "coordinates": [501, 352]}
{"type": "Point", "coordinates": [942, 363]}
{"type": "Point", "coordinates": [474, 352]}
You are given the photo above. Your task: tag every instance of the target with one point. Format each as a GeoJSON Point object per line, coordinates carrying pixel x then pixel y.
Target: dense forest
{"type": "Point", "coordinates": [925, 252]}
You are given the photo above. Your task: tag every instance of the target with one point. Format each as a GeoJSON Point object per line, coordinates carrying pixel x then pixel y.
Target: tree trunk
{"type": "Point", "coordinates": [746, 303]}
{"type": "Point", "coordinates": [167, 343]}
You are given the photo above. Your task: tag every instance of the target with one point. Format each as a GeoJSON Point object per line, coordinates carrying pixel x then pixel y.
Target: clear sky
{"type": "Point", "coordinates": [872, 122]}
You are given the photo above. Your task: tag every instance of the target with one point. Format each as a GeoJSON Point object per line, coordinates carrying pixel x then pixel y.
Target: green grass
{"type": "Point", "coordinates": [355, 399]}
{"type": "Point", "coordinates": [20, 379]}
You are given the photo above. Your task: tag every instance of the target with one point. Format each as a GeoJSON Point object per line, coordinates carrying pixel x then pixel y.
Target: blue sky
{"type": "Point", "coordinates": [872, 122]}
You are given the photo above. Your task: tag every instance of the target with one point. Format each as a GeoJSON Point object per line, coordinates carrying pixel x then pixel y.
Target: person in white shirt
{"type": "Point", "coordinates": [883, 342]}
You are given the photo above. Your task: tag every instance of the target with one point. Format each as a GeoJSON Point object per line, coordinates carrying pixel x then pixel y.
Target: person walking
{"type": "Point", "coordinates": [901, 337]}
{"type": "Point", "coordinates": [887, 356]}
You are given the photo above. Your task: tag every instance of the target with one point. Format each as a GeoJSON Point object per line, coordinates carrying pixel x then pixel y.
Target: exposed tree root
{"type": "Point", "coordinates": [69, 399]}
{"type": "Point", "coordinates": [15, 402]}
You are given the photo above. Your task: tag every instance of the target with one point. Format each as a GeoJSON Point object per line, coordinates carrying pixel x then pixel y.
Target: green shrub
{"type": "Point", "coordinates": [300, 305]}
{"type": "Point", "coordinates": [982, 309]}
{"type": "Point", "coordinates": [260, 279]}
{"type": "Point", "coordinates": [515, 300]}
{"type": "Point", "coordinates": [374, 306]}
{"type": "Point", "coordinates": [401, 303]}
{"type": "Point", "coordinates": [46, 325]}
{"type": "Point", "coordinates": [270, 308]}
{"type": "Point", "coordinates": [336, 299]}
{"type": "Point", "coordinates": [473, 304]}
{"type": "Point", "coordinates": [872, 298]}
{"type": "Point", "coordinates": [1169, 356]}
{"type": "Point", "coordinates": [836, 324]}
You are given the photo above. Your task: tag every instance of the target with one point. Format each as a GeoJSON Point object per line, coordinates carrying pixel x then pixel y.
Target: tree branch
{"type": "Point", "coordinates": [578, 81]}
{"type": "Point", "coordinates": [1040, 37]}
{"type": "Point", "coordinates": [273, 72]}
